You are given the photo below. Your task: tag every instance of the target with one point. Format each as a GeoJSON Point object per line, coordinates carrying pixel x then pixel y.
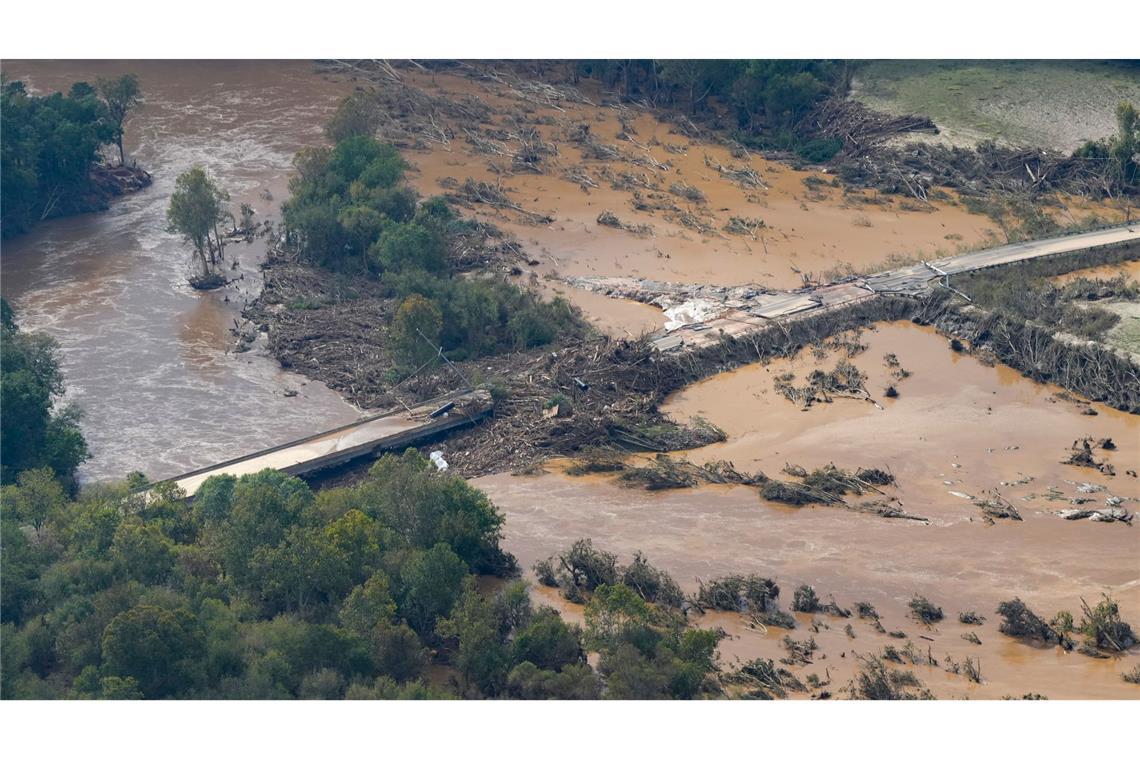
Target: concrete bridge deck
{"type": "Point", "coordinates": [366, 437]}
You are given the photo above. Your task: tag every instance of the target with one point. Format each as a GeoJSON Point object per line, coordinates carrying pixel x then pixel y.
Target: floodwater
{"type": "Point", "coordinates": [811, 227]}
{"type": "Point", "coordinates": [144, 355]}
{"type": "Point", "coordinates": [957, 426]}
{"type": "Point", "coordinates": [1130, 270]}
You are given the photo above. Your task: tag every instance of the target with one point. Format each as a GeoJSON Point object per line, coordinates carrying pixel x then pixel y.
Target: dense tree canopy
{"type": "Point", "coordinates": [352, 210]}
{"type": "Point", "coordinates": [263, 589]}
{"type": "Point", "coordinates": [768, 99]}
{"type": "Point", "coordinates": [35, 432]}
{"type": "Point", "coordinates": [48, 146]}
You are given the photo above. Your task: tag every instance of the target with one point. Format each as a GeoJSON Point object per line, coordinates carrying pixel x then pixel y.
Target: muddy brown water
{"type": "Point", "coordinates": [957, 425]}
{"type": "Point", "coordinates": [816, 230]}
{"type": "Point", "coordinates": [143, 354]}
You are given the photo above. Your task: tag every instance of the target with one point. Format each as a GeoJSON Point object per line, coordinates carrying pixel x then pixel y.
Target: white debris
{"type": "Point", "coordinates": [695, 310]}
{"type": "Point", "coordinates": [437, 459]}
{"type": "Point", "coordinates": [961, 495]}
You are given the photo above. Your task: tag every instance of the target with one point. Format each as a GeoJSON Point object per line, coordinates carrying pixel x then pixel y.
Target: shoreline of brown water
{"type": "Point", "coordinates": [146, 357]}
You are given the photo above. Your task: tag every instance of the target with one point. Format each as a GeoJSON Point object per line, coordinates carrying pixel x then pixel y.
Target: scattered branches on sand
{"type": "Point", "coordinates": [860, 127]}
{"type": "Point", "coordinates": [666, 472]}
{"type": "Point", "coordinates": [765, 679]}
{"type": "Point", "coordinates": [799, 652]}
{"type": "Point", "coordinates": [845, 381]}
{"type": "Point", "coordinates": [745, 176]}
{"type": "Point", "coordinates": [480, 192]}
{"type": "Point", "coordinates": [743, 225]}
{"type": "Point", "coordinates": [997, 507]}
{"type": "Point", "coordinates": [876, 681]}
{"type": "Point", "coordinates": [609, 219]}
{"type": "Point", "coordinates": [579, 176]}
{"type": "Point", "coordinates": [689, 192]}
{"type": "Point", "coordinates": [692, 221]}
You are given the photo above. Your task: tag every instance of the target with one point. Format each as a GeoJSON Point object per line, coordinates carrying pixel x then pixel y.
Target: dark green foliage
{"type": "Point", "coordinates": [805, 600]}
{"type": "Point", "coordinates": [647, 652]}
{"type": "Point", "coordinates": [33, 432]}
{"type": "Point", "coordinates": [924, 610]}
{"type": "Point", "coordinates": [549, 643]}
{"type": "Point", "coordinates": [156, 647]}
{"type": "Point", "coordinates": [1021, 622]}
{"type": "Point", "coordinates": [528, 681]}
{"type": "Point", "coordinates": [344, 198]}
{"type": "Point", "coordinates": [587, 567]}
{"type": "Point", "coordinates": [48, 147]}
{"type": "Point", "coordinates": [652, 584]}
{"type": "Point", "coordinates": [738, 593]}
{"type": "Point", "coordinates": [351, 210]}
{"type": "Point", "coordinates": [768, 99]}
{"type": "Point", "coordinates": [424, 508]}
{"type": "Point", "coordinates": [258, 590]}
{"type": "Point", "coordinates": [1104, 628]}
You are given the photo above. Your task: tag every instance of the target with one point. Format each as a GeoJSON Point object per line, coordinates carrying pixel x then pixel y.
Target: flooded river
{"type": "Point", "coordinates": [144, 355]}
{"type": "Point", "coordinates": [958, 427]}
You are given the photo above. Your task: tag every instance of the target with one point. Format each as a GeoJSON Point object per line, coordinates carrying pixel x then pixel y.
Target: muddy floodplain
{"type": "Point", "coordinates": [957, 430]}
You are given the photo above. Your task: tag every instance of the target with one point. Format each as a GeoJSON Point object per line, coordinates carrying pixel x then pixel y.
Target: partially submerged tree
{"type": "Point", "coordinates": [196, 207]}
{"type": "Point", "coordinates": [121, 95]}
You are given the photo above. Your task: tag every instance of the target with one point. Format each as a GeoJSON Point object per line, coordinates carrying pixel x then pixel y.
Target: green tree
{"type": "Point", "coordinates": [407, 245]}
{"type": "Point", "coordinates": [196, 207]}
{"type": "Point", "coordinates": [354, 117]}
{"type": "Point", "coordinates": [1125, 147]}
{"type": "Point", "coordinates": [430, 582]}
{"type": "Point", "coordinates": [481, 656]}
{"type": "Point", "coordinates": [302, 571]}
{"type": "Point", "coordinates": [549, 642]}
{"type": "Point", "coordinates": [425, 507]}
{"type": "Point", "coordinates": [48, 147]}
{"type": "Point", "coordinates": [415, 330]}
{"type": "Point", "coordinates": [144, 553]}
{"type": "Point", "coordinates": [155, 646]}
{"type": "Point", "coordinates": [36, 497]}
{"type": "Point", "coordinates": [527, 681]}
{"type": "Point", "coordinates": [33, 432]}
{"type": "Point", "coordinates": [369, 606]}
{"type": "Point", "coordinates": [264, 506]}
{"type": "Point", "coordinates": [121, 95]}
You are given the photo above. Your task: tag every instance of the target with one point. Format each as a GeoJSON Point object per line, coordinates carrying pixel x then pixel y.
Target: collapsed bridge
{"type": "Point", "coordinates": [701, 314]}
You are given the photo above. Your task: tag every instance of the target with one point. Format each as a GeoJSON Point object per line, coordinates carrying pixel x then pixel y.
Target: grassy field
{"type": "Point", "coordinates": [1056, 104]}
